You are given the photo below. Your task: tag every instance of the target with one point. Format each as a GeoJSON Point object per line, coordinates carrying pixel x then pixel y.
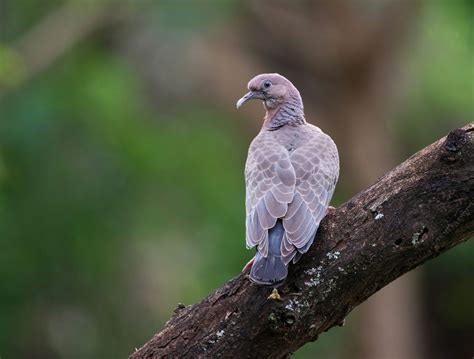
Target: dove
{"type": "Point", "coordinates": [290, 175]}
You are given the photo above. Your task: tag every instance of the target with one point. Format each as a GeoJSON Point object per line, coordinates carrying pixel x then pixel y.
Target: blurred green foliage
{"type": "Point", "coordinates": [114, 209]}
{"type": "Point", "coordinates": [88, 168]}
{"type": "Point", "coordinates": [441, 66]}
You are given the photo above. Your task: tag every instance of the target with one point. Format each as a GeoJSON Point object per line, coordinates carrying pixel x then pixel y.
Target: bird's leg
{"type": "Point", "coordinates": [248, 265]}
{"type": "Point", "coordinates": [330, 210]}
{"type": "Point", "coordinates": [274, 295]}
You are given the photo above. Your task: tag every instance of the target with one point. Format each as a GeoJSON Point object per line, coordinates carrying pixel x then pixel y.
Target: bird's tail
{"type": "Point", "coordinates": [271, 269]}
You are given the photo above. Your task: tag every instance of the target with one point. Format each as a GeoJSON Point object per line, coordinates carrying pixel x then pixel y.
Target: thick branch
{"type": "Point", "coordinates": [418, 210]}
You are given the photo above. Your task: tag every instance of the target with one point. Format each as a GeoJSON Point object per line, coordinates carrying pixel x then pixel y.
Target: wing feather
{"type": "Point", "coordinates": [316, 168]}
{"type": "Point", "coordinates": [270, 187]}
{"type": "Point", "coordinates": [275, 208]}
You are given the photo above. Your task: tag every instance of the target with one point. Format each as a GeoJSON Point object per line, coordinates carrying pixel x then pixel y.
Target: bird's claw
{"type": "Point", "coordinates": [248, 265]}
{"type": "Point", "coordinates": [274, 295]}
{"type": "Point", "coordinates": [330, 210]}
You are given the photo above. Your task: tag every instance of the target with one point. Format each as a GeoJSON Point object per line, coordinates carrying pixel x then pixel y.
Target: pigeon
{"type": "Point", "coordinates": [290, 176]}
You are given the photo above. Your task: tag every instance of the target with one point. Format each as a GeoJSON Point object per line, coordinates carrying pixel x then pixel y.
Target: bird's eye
{"type": "Point", "coordinates": [267, 84]}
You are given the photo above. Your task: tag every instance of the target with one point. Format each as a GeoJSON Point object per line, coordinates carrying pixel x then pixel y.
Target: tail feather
{"type": "Point", "coordinates": [270, 269]}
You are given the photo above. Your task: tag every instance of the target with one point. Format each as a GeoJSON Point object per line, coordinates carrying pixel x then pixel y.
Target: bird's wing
{"type": "Point", "coordinates": [270, 184]}
{"type": "Point", "coordinates": [316, 167]}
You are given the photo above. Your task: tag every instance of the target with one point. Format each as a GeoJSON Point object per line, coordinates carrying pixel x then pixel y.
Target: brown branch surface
{"type": "Point", "coordinates": [413, 213]}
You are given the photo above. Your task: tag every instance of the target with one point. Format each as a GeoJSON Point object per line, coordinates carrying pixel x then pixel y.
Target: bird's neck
{"type": "Point", "coordinates": [289, 112]}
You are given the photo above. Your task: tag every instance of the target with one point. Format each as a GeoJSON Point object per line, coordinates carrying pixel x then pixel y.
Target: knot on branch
{"type": "Point", "coordinates": [282, 319]}
{"type": "Point", "coordinates": [455, 141]}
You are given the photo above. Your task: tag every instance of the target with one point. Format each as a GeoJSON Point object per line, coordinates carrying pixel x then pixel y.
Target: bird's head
{"type": "Point", "coordinates": [272, 89]}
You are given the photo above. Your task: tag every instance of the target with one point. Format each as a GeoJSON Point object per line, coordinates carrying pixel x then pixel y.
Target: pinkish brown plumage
{"type": "Point", "coordinates": [291, 173]}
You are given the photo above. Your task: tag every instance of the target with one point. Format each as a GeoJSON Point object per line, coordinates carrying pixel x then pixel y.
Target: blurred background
{"type": "Point", "coordinates": [122, 156]}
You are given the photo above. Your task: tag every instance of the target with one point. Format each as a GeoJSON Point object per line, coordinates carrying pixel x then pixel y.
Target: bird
{"type": "Point", "coordinates": [291, 172]}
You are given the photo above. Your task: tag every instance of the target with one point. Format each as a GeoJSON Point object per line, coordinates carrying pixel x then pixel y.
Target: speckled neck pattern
{"type": "Point", "coordinates": [289, 113]}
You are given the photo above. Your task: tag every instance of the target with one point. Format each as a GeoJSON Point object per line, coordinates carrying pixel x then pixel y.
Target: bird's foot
{"type": "Point", "coordinates": [248, 265]}
{"type": "Point", "coordinates": [274, 295]}
{"type": "Point", "coordinates": [330, 210]}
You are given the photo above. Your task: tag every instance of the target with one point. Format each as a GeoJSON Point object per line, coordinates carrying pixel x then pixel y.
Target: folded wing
{"type": "Point", "coordinates": [316, 169]}
{"type": "Point", "coordinates": [270, 187]}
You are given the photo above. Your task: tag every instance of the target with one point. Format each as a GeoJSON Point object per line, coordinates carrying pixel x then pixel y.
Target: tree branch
{"type": "Point", "coordinates": [413, 213]}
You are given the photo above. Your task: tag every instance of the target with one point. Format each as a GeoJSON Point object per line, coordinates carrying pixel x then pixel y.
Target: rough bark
{"type": "Point", "coordinates": [413, 213]}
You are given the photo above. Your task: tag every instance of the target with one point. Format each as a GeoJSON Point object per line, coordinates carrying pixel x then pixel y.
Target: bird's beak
{"type": "Point", "coordinates": [250, 96]}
